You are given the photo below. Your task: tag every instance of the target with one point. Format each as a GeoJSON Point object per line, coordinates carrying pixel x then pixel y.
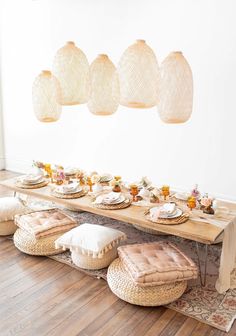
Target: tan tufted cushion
{"type": "Point", "coordinates": [156, 263]}
{"type": "Point", "coordinates": [45, 223]}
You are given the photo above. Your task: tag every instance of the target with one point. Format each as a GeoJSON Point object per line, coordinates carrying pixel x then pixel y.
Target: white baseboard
{"type": "Point", "coordinates": [25, 166]}
{"type": "Point", "coordinates": [2, 163]}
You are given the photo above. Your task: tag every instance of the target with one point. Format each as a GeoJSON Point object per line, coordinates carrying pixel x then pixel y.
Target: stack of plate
{"type": "Point", "coordinates": [72, 190]}
{"type": "Point", "coordinates": [31, 181]}
{"type": "Point", "coordinates": [112, 201]}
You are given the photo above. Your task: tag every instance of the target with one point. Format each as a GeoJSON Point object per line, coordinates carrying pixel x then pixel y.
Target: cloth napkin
{"type": "Point", "coordinates": [67, 188]}
{"type": "Point", "coordinates": [165, 210]}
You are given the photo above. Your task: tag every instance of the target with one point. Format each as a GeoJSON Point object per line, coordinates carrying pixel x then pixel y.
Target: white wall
{"type": "Point", "coordinates": [131, 143]}
{"type": "Point", "coordinates": [2, 158]}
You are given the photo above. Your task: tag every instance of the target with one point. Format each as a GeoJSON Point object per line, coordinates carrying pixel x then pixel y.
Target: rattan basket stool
{"type": "Point", "coordinates": [88, 262]}
{"type": "Point", "coordinates": [122, 285]}
{"type": "Point", "coordinates": [27, 243]}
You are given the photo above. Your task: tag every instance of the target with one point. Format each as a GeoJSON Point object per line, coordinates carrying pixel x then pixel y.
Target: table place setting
{"type": "Point", "coordinates": [111, 201]}
{"type": "Point", "coordinates": [31, 181]}
{"type": "Point", "coordinates": [68, 191]}
{"type": "Point", "coordinates": [167, 213]}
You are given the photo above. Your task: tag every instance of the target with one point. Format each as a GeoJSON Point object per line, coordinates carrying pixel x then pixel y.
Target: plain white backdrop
{"type": "Point", "coordinates": [131, 143]}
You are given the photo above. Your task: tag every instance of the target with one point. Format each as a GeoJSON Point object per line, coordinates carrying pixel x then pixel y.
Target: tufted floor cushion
{"type": "Point", "coordinates": [9, 207]}
{"type": "Point", "coordinates": [45, 223]}
{"type": "Point", "coordinates": [156, 263]}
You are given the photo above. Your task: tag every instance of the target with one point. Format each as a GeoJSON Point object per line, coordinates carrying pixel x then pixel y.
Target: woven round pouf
{"type": "Point", "coordinates": [27, 243]}
{"type": "Point", "coordinates": [122, 286]}
{"type": "Point", "coordinates": [88, 262]}
{"type": "Point", "coordinates": [7, 228]}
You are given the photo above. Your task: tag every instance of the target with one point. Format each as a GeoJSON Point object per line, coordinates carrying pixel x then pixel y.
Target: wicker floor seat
{"type": "Point", "coordinates": [151, 274]}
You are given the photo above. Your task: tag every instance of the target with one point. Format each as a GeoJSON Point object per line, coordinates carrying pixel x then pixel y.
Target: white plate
{"type": "Point", "coordinates": [178, 212]}
{"type": "Point", "coordinates": [27, 182]}
{"type": "Point", "coordinates": [117, 201]}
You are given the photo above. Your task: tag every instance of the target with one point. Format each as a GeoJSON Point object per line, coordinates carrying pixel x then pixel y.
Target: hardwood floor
{"type": "Point", "coordinates": [39, 296]}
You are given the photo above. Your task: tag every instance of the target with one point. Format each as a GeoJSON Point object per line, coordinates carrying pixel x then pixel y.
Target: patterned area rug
{"type": "Point", "coordinates": [202, 303]}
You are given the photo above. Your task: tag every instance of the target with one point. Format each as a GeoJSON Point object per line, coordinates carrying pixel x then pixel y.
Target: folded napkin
{"type": "Point", "coordinates": [67, 188]}
{"type": "Point", "coordinates": [165, 210]}
{"type": "Point", "coordinates": [31, 178]}
{"type": "Point", "coordinates": [45, 223]}
{"type": "Point", "coordinates": [108, 198]}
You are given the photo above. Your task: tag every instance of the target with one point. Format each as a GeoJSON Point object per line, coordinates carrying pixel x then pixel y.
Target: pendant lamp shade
{"type": "Point", "coordinates": [176, 94]}
{"type": "Point", "coordinates": [46, 95]}
{"type": "Point", "coordinates": [139, 76]}
{"type": "Point", "coordinates": [71, 67]}
{"type": "Point", "coordinates": [104, 87]}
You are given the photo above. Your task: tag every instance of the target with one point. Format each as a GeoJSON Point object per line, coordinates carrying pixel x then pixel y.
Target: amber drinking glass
{"type": "Point", "coordinates": [192, 203]}
{"type": "Point", "coordinates": [165, 191]}
{"type": "Point", "coordinates": [89, 183]}
{"type": "Point", "coordinates": [134, 191]}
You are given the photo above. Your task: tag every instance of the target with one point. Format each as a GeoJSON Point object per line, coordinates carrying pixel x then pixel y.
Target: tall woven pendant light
{"type": "Point", "coordinates": [46, 95]}
{"type": "Point", "coordinates": [176, 95]}
{"type": "Point", "coordinates": [139, 76]}
{"type": "Point", "coordinates": [104, 87]}
{"type": "Point", "coordinates": [71, 67]}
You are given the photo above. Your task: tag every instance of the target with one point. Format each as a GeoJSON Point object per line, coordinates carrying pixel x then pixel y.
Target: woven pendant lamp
{"type": "Point", "coordinates": [104, 87]}
{"type": "Point", "coordinates": [46, 95]}
{"type": "Point", "coordinates": [139, 76]}
{"type": "Point", "coordinates": [176, 94]}
{"type": "Point", "coordinates": [71, 67]}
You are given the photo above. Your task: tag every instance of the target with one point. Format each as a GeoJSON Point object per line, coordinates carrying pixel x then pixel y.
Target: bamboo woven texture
{"type": "Point", "coordinates": [71, 67]}
{"type": "Point", "coordinates": [31, 186]}
{"type": "Point", "coordinates": [88, 262]}
{"type": "Point", "coordinates": [122, 205]}
{"type": "Point", "coordinates": [122, 286]}
{"type": "Point", "coordinates": [46, 95]}
{"type": "Point", "coordinates": [104, 92]}
{"type": "Point", "coordinates": [176, 94]}
{"type": "Point", "coordinates": [27, 243]}
{"type": "Point", "coordinates": [7, 228]}
{"type": "Point", "coordinates": [69, 196]}
{"type": "Point", "coordinates": [139, 76]}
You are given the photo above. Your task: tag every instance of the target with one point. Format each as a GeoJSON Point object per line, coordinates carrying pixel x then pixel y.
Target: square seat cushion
{"type": "Point", "coordinates": [156, 263]}
{"type": "Point", "coordinates": [9, 207]}
{"type": "Point", "coordinates": [90, 239]}
{"type": "Point", "coordinates": [45, 223]}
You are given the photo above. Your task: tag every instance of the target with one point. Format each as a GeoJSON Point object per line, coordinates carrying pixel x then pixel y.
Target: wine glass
{"type": "Point", "coordinates": [165, 191]}
{"type": "Point", "coordinates": [134, 191]}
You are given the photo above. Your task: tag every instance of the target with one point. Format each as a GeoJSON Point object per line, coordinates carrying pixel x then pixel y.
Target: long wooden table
{"type": "Point", "coordinates": [196, 231]}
